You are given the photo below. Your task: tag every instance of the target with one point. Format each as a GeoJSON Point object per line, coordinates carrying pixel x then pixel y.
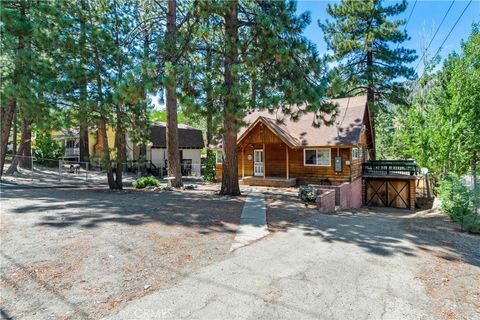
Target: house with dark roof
{"type": "Point", "coordinates": [190, 142]}
{"type": "Point", "coordinates": [274, 149]}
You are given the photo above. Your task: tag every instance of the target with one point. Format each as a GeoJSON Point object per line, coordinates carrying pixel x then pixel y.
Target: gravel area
{"type": "Point", "coordinates": [452, 274]}
{"type": "Point", "coordinates": [83, 253]}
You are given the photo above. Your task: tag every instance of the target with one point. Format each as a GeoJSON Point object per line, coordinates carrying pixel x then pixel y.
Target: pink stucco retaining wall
{"type": "Point", "coordinates": [356, 194]}
{"type": "Point", "coordinates": [326, 200]}
{"type": "Point", "coordinates": [347, 195]}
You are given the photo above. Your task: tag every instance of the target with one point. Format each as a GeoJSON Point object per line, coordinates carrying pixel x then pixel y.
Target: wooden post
{"type": "Point", "coordinates": [243, 162]}
{"type": "Point", "coordinates": [288, 167]}
{"type": "Point", "coordinates": [264, 161]}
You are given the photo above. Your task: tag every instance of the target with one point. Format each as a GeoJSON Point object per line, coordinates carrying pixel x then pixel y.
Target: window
{"type": "Point", "coordinates": [362, 152]}
{"type": "Point", "coordinates": [219, 157]}
{"type": "Point", "coordinates": [354, 153]}
{"type": "Point", "coordinates": [70, 144]}
{"type": "Point", "coordinates": [317, 157]}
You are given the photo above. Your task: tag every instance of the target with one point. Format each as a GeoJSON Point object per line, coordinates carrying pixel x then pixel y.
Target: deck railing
{"type": "Point", "coordinates": [390, 167]}
{"type": "Point", "coordinates": [69, 152]}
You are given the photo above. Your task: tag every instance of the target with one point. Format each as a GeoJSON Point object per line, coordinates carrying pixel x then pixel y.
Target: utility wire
{"type": "Point", "coordinates": [452, 28]}
{"type": "Point", "coordinates": [410, 15]}
{"type": "Point", "coordinates": [408, 19]}
{"type": "Point", "coordinates": [434, 35]}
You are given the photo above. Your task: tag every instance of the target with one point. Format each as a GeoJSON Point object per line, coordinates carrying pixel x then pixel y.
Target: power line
{"type": "Point", "coordinates": [452, 28]}
{"type": "Point", "coordinates": [408, 20]}
{"type": "Point", "coordinates": [410, 15]}
{"type": "Point", "coordinates": [434, 35]}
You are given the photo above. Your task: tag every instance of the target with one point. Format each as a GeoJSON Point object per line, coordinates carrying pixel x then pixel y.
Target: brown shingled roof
{"type": "Point", "coordinates": [188, 137]}
{"type": "Point", "coordinates": [302, 133]}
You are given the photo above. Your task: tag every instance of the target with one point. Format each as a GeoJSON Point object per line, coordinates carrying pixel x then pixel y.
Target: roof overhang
{"type": "Point", "coordinates": [272, 128]}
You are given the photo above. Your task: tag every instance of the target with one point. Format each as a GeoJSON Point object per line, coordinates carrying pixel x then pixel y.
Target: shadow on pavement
{"type": "Point", "coordinates": [379, 231]}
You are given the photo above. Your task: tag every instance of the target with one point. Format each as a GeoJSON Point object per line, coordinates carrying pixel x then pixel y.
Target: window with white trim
{"type": "Point", "coordinates": [354, 153]}
{"type": "Point", "coordinates": [219, 157]}
{"type": "Point", "coordinates": [317, 157]}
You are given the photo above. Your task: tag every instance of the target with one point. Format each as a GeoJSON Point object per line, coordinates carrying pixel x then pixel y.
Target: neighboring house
{"type": "Point", "coordinates": [190, 142]}
{"type": "Point", "coordinates": [296, 152]}
{"type": "Point", "coordinates": [70, 139]}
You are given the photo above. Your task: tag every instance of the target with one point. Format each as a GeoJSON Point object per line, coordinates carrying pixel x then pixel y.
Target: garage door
{"type": "Point", "coordinates": [387, 193]}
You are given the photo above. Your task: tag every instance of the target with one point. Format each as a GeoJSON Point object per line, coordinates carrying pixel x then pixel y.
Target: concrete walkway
{"type": "Point", "coordinates": [253, 221]}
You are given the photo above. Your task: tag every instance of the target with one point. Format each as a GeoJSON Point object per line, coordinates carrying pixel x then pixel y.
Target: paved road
{"type": "Point", "coordinates": [328, 267]}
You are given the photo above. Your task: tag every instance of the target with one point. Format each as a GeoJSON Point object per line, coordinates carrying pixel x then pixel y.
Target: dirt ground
{"type": "Point", "coordinates": [82, 253]}
{"type": "Point", "coordinates": [452, 275]}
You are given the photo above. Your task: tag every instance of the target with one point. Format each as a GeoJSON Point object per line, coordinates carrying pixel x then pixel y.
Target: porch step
{"type": "Point", "coordinates": [269, 181]}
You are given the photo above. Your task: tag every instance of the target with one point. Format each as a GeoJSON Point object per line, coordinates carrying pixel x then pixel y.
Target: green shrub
{"type": "Point", "coordinates": [146, 182]}
{"type": "Point", "coordinates": [46, 149]}
{"type": "Point", "coordinates": [458, 202]}
{"type": "Point", "coordinates": [209, 173]}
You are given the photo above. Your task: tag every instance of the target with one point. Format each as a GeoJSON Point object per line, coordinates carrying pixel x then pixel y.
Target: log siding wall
{"type": "Point", "coordinates": [275, 159]}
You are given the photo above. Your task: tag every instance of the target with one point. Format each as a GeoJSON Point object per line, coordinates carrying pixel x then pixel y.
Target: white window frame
{"type": "Point", "coordinates": [219, 155]}
{"type": "Point", "coordinates": [316, 157]}
{"type": "Point", "coordinates": [355, 154]}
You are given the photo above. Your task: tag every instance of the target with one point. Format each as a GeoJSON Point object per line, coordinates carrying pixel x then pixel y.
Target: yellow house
{"type": "Point", "coordinates": [70, 139]}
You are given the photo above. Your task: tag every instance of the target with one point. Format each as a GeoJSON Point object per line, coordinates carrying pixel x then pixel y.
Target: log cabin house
{"type": "Point", "coordinates": [287, 153]}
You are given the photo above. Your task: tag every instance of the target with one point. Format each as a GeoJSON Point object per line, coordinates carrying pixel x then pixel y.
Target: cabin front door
{"type": "Point", "coordinates": [258, 163]}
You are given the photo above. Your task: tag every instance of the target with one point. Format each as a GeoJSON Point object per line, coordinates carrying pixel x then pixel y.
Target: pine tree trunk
{"type": "Point", "coordinates": [9, 110]}
{"type": "Point", "coordinates": [84, 150]}
{"type": "Point", "coordinates": [230, 184]}
{"type": "Point", "coordinates": [107, 163]}
{"type": "Point", "coordinates": [121, 147]}
{"type": "Point", "coordinates": [7, 116]}
{"type": "Point", "coordinates": [83, 123]}
{"type": "Point", "coordinates": [15, 133]}
{"type": "Point", "coordinates": [26, 141]}
{"type": "Point", "coordinates": [142, 152]}
{"type": "Point", "coordinates": [209, 173]}
{"type": "Point", "coordinates": [371, 94]}
{"type": "Point", "coordinates": [173, 152]}
{"type": "Point", "coordinates": [209, 102]}
{"type": "Point", "coordinates": [14, 165]}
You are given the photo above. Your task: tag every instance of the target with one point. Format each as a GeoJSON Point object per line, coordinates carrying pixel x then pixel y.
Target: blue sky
{"type": "Point", "coordinates": [425, 19]}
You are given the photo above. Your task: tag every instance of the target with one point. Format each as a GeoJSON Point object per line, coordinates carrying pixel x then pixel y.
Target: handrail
{"type": "Point", "coordinates": [390, 167]}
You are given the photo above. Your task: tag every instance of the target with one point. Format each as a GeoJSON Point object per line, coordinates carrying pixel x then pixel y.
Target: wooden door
{"type": "Point", "coordinates": [258, 163]}
{"type": "Point", "coordinates": [399, 194]}
{"type": "Point", "coordinates": [394, 193]}
{"type": "Point", "coordinates": [376, 193]}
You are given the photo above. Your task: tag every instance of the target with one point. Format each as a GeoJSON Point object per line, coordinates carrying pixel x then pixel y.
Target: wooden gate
{"type": "Point", "coordinates": [394, 193]}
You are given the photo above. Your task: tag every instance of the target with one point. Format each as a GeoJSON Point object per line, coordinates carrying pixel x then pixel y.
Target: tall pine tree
{"type": "Point", "coordinates": [267, 63]}
{"type": "Point", "coordinates": [366, 41]}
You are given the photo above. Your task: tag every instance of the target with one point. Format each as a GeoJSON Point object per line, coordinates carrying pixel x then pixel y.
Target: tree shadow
{"type": "Point", "coordinates": [379, 231]}
{"type": "Point", "coordinates": [90, 208]}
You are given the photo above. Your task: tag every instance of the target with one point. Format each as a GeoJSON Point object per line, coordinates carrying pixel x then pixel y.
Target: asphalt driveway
{"type": "Point", "coordinates": [353, 265]}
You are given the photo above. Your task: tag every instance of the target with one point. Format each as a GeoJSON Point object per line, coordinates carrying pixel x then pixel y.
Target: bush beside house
{"type": "Point", "coordinates": [459, 202]}
{"type": "Point", "coordinates": [144, 182]}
